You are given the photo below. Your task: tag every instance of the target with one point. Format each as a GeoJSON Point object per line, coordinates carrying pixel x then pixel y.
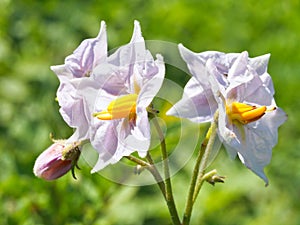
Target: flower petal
{"type": "Point", "coordinates": [73, 107]}
{"type": "Point", "coordinates": [136, 137]}
{"type": "Point", "coordinates": [89, 54]}
{"type": "Point", "coordinates": [260, 63]}
{"type": "Point", "coordinates": [62, 72]}
{"type": "Point", "coordinates": [196, 104]}
{"type": "Point", "coordinates": [267, 127]}
{"type": "Point", "coordinates": [253, 92]}
{"type": "Point", "coordinates": [105, 141]}
{"type": "Point", "coordinates": [151, 83]}
{"type": "Point", "coordinates": [267, 80]}
{"type": "Point", "coordinates": [126, 56]}
{"type": "Point", "coordinates": [222, 61]}
{"type": "Point", "coordinates": [195, 65]}
{"type": "Point", "coordinates": [254, 141]}
{"type": "Point", "coordinates": [110, 78]}
{"type": "Point", "coordinates": [238, 72]}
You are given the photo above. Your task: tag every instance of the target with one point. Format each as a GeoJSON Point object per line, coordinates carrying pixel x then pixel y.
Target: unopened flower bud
{"type": "Point", "coordinates": [216, 179]}
{"type": "Point", "coordinates": [57, 160]}
{"type": "Point", "coordinates": [212, 177]}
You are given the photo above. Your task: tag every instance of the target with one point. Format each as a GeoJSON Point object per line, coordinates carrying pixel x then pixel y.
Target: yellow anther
{"type": "Point", "coordinates": [121, 107]}
{"type": "Point", "coordinates": [244, 113]}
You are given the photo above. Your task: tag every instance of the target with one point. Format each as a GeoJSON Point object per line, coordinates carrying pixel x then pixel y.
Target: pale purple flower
{"type": "Point", "coordinates": [57, 160]}
{"type": "Point", "coordinates": [78, 66]}
{"type": "Point", "coordinates": [242, 91]}
{"type": "Point", "coordinates": [126, 85]}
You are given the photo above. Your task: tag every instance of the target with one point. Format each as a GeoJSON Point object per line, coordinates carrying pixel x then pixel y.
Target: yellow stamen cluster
{"type": "Point", "coordinates": [122, 107]}
{"type": "Point", "coordinates": [244, 113]}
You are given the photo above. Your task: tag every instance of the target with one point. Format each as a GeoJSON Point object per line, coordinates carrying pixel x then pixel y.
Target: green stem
{"type": "Point", "coordinates": [138, 161]}
{"type": "Point", "coordinates": [208, 150]}
{"type": "Point", "coordinates": [157, 175]}
{"type": "Point", "coordinates": [152, 169]}
{"type": "Point", "coordinates": [169, 193]}
{"type": "Point", "coordinates": [194, 186]}
{"type": "Point", "coordinates": [189, 203]}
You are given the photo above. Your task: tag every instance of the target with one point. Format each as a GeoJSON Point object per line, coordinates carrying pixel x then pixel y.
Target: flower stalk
{"type": "Point", "coordinates": [208, 150]}
{"type": "Point", "coordinates": [199, 169]}
{"type": "Point", "coordinates": [168, 185]}
{"type": "Point", "coordinates": [152, 169]}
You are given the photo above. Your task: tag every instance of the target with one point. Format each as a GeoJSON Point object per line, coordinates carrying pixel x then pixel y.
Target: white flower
{"type": "Point", "coordinates": [126, 86]}
{"type": "Point", "coordinates": [242, 91]}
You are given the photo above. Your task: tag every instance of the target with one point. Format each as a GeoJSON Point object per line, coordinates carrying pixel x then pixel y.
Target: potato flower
{"type": "Point", "coordinates": [241, 90]}
{"type": "Point", "coordinates": [126, 85]}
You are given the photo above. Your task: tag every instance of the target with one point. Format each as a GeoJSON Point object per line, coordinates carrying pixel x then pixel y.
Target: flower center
{"type": "Point", "coordinates": [121, 107]}
{"type": "Point", "coordinates": [245, 113]}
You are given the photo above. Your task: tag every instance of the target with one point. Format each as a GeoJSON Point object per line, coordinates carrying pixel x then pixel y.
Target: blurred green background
{"type": "Point", "coordinates": [37, 34]}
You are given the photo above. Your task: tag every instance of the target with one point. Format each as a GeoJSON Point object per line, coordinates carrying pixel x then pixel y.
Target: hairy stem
{"type": "Point", "coordinates": [208, 150]}
{"type": "Point", "coordinates": [189, 202]}
{"type": "Point", "coordinates": [200, 165]}
{"type": "Point", "coordinates": [169, 193]}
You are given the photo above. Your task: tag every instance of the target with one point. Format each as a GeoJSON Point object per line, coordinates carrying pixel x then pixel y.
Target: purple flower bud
{"type": "Point", "coordinates": [56, 160]}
